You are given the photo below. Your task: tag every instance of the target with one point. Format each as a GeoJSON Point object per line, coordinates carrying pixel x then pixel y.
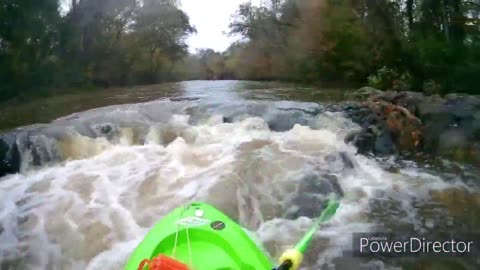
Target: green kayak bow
{"type": "Point", "coordinates": [203, 238]}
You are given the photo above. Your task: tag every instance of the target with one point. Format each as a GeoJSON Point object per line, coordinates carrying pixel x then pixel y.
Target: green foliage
{"type": "Point", "coordinates": [428, 45]}
{"type": "Point", "coordinates": [390, 79]}
{"type": "Point", "coordinates": [108, 42]}
{"type": "Point", "coordinates": [430, 87]}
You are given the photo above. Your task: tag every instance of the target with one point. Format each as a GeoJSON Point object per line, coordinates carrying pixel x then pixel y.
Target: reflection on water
{"type": "Point", "coordinates": [44, 110]}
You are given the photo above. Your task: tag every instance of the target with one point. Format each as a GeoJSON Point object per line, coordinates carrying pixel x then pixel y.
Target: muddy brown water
{"type": "Point", "coordinates": [105, 166]}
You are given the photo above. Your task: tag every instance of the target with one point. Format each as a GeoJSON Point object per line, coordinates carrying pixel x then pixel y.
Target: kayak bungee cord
{"type": "Point", "coordinates": [189, 248]}
{"type": "Point", "coordinates": [188, 242]}
{"type": "Point", "coordinates": [200, 237]}
{"type": "Point", "coordinates": [163, 262]}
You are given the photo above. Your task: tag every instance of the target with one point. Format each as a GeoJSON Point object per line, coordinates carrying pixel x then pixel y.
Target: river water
{"type": "Point", "coordinates": [91, 184]}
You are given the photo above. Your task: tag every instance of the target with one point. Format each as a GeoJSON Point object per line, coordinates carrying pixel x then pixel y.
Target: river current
{"type": "Point", "coordinates": [91, 184]}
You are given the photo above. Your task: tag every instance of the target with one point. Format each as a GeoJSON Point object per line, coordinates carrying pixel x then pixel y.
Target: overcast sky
{"type": "Point", "coordinates": [211, 18]}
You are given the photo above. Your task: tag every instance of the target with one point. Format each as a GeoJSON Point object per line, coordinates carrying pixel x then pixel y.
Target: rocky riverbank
{"type": "Point", "coordinates": [412, 123]}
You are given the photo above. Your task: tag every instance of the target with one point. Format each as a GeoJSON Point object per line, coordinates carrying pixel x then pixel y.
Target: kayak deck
{"type": "Point", "coordinates": [203, 238]}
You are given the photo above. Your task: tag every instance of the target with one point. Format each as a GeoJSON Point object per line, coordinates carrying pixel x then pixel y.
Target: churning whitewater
{"type": "Point", "coordinates": [92, 184]}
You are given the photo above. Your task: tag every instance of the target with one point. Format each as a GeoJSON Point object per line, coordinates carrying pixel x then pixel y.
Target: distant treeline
{"type": "Point", "coordinates": [94, 42]}
{"type": "Point", "coordinates": [422, 45]}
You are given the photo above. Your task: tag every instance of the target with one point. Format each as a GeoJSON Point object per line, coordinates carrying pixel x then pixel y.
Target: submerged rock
{"type": "Point", "coordinates": [339, 162]}
{"type": "Point", "coordinates": [312, 195]}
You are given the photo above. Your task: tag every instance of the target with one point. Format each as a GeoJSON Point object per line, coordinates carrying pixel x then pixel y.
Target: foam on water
{"type": "Point", "coordinates": [91, 210]}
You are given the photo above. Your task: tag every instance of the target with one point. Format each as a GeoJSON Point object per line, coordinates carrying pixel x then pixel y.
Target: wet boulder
{"type": "Point", "coordinates": [452, 126]}
{"type": "Point", "coordinates": [284, 121]}
{"type": "Point", "coordinates": [339, 162]}
{"type": "Point", "coordinates": [9, 155]}
{"type": "Point", "coordinates": [280, 116]}
{"type": "Point", "coordinates": [476, 153]}
{"type": "Point", "coordinates": [408, 100]}
{"type": "Point", "coordinates": [107, 130]}
{"type": "Point", "coordinates": [410, 122]}
{"type": "Point", "coordinates": [448, 122]}
{"type": "Point", "coordinates": [385, 129]}
{"type": "Point", "coordinates": [451, 139]}
{"type": "Point", "coordinates": [362, 139]}
{"type": "Point", "coordinates": [312, 195]}
{"type": "Point", "coordinates": [404, 128]}
{"type": "Point", "coordinates": [371, 140]}
{"type": "Point", "coordinates": [365, 92]}
{"type": "Point", "coordinates": [362, 114]}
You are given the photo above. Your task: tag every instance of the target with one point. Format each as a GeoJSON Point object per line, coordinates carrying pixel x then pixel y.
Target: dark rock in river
{"type": "Point", "coordinates": [312, 195]}
{"type": "Point", "coordinates": [413, 122]}
{"type": "Point", "coordinates": [452, 126]}
{"type": "Point", "coordinates": [285, 121]}
{"type": "Point", "coordinates": [9, 155]}
{"type": "Point", "coordinates": [385, 129]}
{"type": "Point", "coordinates": [338, 163]}
{"type": "Point", "coordinates": [372, 139]}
